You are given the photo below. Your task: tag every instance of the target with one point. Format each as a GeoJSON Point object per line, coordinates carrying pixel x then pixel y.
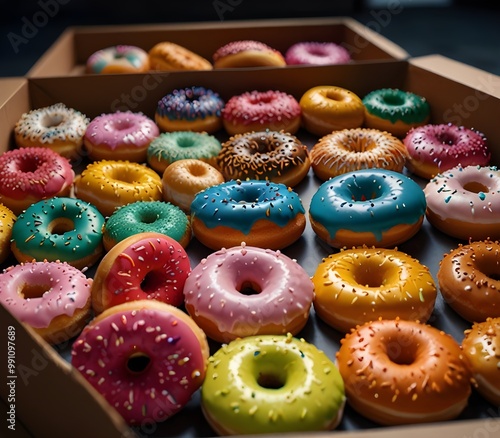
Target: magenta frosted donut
{"type": "Point", "coordinates": [316, 53]}
{"type": "Point", "coordinates": [120, 136]}
{"type": "Point", "coordinates": [247, 53]}
{"type": "Point", "coordinates": [31, 174]}
{"type": "Point", "coordinates": [434, 149]}
{"type": "Point", "coordinates": [244, 291]}
{"type": "Point", "coordinates": [261, 110]}
{"type": "Point", "coordinates": [51, 297]}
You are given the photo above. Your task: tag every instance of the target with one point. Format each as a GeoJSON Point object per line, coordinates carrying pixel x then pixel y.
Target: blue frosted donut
{"type": "Point", "coordinates": [259, 213]}
{"type": "Point", "coordinates": [190, 109]}
{"type": "Point", "coordinates": [372, 207]}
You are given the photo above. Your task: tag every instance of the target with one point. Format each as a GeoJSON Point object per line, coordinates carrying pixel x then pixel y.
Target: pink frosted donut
{"type": "Point", "coordinates": [120, 136]}
{"type": "Point", "coordinates": [435, 148]}
{"type": "Point", "coordinates": [31, 174]}
{"type": "Point", "coordinates": [316, 53]}
{"type": "Point", "coordinates": [146, 358]}
{"type": "Point", "coordinates": [261, 110]}
{"type": "Point", "coordinates": [245, 291]}
{"type": "Point", "coordinates": [51, 297]}
{"type": "Point", "coordinates": [247, 53]}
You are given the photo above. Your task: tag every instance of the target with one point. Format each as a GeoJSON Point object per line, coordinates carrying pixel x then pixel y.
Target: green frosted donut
{"type": "Point", "coordinates": [180, 145]}
{"type": "Point", "coordinates": [147, 217]}
{"type": "Point", "coordinates": [65, 229]}
{"type": "Point", "coordinates": [271, 384]}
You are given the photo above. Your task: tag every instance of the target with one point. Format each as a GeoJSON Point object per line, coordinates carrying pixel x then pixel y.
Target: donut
{"type": "Point", "coordinates": [433, 149]}
{"type": "Point", "coordinates": [147, 265]}
{"type": "Point", "coordinates": [355, 149]}
{"type": "Point", "coordinates": [170, 147]}
{"type": "Point", "coordinates": [120, 136]}
{"type": "Point", "coordinates": [260, 213]}
{"type": "Point", "coordinates": [271, 384]}
{"type": "Point", "coordinates": [395, 111]}
{"type": "Point", "coordinates": [109, 184]}
{"type": "Point", "coordinates": [247, 53]}
{"type": "Point", "coordinates": [326, 109]}
{"type": "Point", "coordinates": [7, 219]}
{"type": "Point", "coordinates": [56, 127]}
{"type": "Point", "coordinates": [190, 109]}
{"type": "Point", "coordinates": [359, 285]}
{"type": "Point", "coordinates": [404, 372]}
{"type": "Point", "coordinates": [145, 358]}
{"type": "Point", "coordinates": [118, 59]}
{"type": "Point", "coordinates": [481, 346]}
{"type": "Point", "coordinates": [29, 175]}
{"type": "Point", "coordinates": [372, 207]}
{"type": "Point", "coordinates": [183, 179]}
{"type": "Point", "coordinates": [65, 229]}
{"type": "Point", "coordinates": [53, 298]}
{"type": "Point", "coordinates": [316, 53]}
{"type": "Point", "coordinates": [146, 217]}
{"type": "Point", "coordinates": [264, 155]}
{"type": "Point", "coordinates": [245, 291]}
{"type": "Point", "coordinates": [167, 55]}
{"type": "Point", "coordinates": [464, 202]}
{"type": "Point", "coordinates": [261, 110]}
{"type": "Point", "coordinates": [469, 282]}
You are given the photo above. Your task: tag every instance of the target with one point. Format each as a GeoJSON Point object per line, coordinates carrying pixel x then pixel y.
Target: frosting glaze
{"type": "Point", "coordinates": [245, 291]}
{"type": "Point", "coordinates": [65, 229]}
{"type": "Point", "coordinates": [38, 292]}
{"type": "Point", "coordinates": [470, 195]}
{"type": "Point", "coordinates": [239, 204]}
{"type": "Point", "coordinates": [271, 384]}
{"type": "Point", "coordinates": [146, 360]}
{"type": "Point", "coordinates": [316, 53]}
{"type": "Point", "coordinates": [368, 200]}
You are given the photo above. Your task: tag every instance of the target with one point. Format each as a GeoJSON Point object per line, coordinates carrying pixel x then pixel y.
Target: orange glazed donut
{"type": "Point", "coordinates": [183, 179]}
{"type": "Point", "coordinates": [326, 109]}
{"type": "Point", "coordinates": [247, 53]}
{"type": "Point", "coordinates": [469, 280]}
{"type": "Point", "coordinates": [481, 345]}
{"type": "Point", "coordinates": [355, 149]}
{"type": "Point", "coordinates": [110, 184]}
{"type": "Point", "coordinates": [170, 56]}
{"type": "Point", "coordinates": [404, 372]}
{"type": "Point", "coordinates": [355, 286]}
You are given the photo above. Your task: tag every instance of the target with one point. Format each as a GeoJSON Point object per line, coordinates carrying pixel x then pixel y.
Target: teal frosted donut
{"type": "Point", "coordinates": [180, 145]}
{"type": "Point", "coordinates": [260, 213]}
{"type": "Point", "coordinates": [395, 111]}
{"type": "Point", "coordinates": [372, 207]}
{"type": "Point", "coordinates": [65, 229]}
{"type": "Point", "coordinates": [147, 217]}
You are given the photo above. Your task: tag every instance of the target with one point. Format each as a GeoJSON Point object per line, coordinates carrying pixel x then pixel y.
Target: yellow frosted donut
{"type": "Point", "coordinates": [359, 285]}
{"type": "Point", "coordinates": [110, 184]}
{"type": "Point", "coordinates": [7, 219]}
{"type": "Point", "coordinates": [326, 109]}
{"type": "Point", "coordinates": [271, 384]}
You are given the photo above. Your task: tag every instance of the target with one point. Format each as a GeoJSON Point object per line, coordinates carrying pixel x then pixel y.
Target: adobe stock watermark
{"type": "Point", "coordinates": [31, 25]}
{"type": "Point", "coordinates": [224, 6]}
{"type": "Point", "coordinates": [130, 100]}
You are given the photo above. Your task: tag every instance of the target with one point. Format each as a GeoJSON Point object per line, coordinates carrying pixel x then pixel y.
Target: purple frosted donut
{"type": "Point", "coordinates": [316, 53]}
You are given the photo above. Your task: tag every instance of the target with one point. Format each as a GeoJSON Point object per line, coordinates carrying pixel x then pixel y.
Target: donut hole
{"type": "Point", "coordinates": [334, 95]}
{"type": "Point", "coordinates": [318, 51]}
{"type": "Point", "coordinates": [29, 164]}
{"type": "Point", "coordinates": [249, 195]}
{"type": "Point", "coordinates": [30, 291]}
{"type": "Point", "coordinates": [249, 288]}
{"type": "Point", "coordinates": [138, 363]}
{"type": "Point", "coordinates": [488, 266]}
{"type": "Point", "coordinates": [393, 100]}
{"type": "Point", "coordinates": [122, 125]}
{"type": "Point", "coordinates": [52, 120]}
{"type": "Point", "coordinates": [152, 281]}
{"type": "Point", "coordinates": [475, 187]}
{"type": "Point", "coordinates": [446, 138]}
{"type": "Point", "coordinates": [271, 380]}
{"type": "Point", "coordinates": [370, 276]}
{"type": "Point", "coordinates": [148, 217]}
{"type": "Point", "coordinates": [400, 353]}
{"type": "Point", "coordinates": [186, 142]}
{"type": "Point", "coordinates": [60, 226]}
{"type": "Point", "coordinates": [197, 169]}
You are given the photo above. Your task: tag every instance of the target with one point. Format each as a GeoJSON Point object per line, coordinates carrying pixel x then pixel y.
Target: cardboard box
{"type": "Point", "coordinates": [70, 52]}
{"type": "Point", "coordinates": [47, 389]}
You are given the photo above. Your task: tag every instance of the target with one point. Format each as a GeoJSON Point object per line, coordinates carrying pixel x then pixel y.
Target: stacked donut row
{"type": "Point", "coordinates": [168, 55]}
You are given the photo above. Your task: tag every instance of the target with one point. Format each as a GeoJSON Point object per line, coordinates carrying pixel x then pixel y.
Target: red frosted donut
{"type": "Point", "coordinates": [316, 53]}
{"type": "Point", "coordinates": [143, 266]}
{"type": "Point", "coordinates": [29, 175]}
{"type": "Point", "coordinates": [247, 53]}
{"type": "Point", "coordinates": [146, 358]}
{"type": "Point", "coordinates": [260, 110]}
{"type": "Point", "coordinates": [434, 149]}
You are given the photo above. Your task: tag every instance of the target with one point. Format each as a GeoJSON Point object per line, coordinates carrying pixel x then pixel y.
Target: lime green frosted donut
{"type": "Point", "coordinates": [173, 146]}
{"type": "Point", "coordinates": [271, 384]}
{"type": "Point", "coordinates": [147, 217]}
{"type": "Point", "coordinates": [65, 229]}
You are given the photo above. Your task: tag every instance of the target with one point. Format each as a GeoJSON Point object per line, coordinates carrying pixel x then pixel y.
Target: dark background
{"type": "Point", "coordinates": [468, 31]}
